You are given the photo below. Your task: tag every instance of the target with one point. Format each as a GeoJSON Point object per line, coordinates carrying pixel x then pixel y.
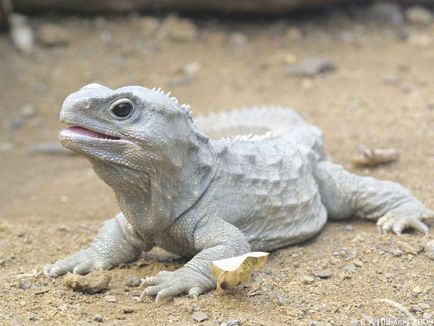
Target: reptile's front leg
{"type": "Point", "coordinates": [214, 239]}
{"type": "Point", "coordinates": [115, 243]}
{"type": "Point", "coordinates": [393, 207]}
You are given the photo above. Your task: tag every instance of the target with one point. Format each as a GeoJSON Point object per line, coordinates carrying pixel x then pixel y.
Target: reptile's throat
{"type": "Point", "coordinates": [90, 133]}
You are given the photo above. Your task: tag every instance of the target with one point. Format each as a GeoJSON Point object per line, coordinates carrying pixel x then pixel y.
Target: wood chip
{"type": "Point", "coordinates": [373, 157]}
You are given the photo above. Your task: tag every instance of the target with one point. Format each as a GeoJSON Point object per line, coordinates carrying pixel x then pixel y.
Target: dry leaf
{"type": "Point", "coordinates": [373, 157]}
{"type": "Point", "coordinates": [232, 271]}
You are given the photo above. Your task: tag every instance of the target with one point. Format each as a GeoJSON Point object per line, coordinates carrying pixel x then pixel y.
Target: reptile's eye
{"type": "Point", "coordinates": [121, 109]}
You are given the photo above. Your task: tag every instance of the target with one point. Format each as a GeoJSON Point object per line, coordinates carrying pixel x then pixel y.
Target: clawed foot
{"type": "Point", "coordinates": [82, 262]}
{"type": "Point", "coordinates": [404, 217]}
{"type": "Point", "coordinates": [166, 284]}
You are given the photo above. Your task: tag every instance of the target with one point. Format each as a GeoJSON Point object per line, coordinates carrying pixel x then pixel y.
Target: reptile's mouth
{"type": "Point", "coordinates": [89, 133]}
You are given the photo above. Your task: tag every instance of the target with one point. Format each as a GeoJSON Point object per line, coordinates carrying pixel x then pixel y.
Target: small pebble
{"type": "Point", "coordinates": [235, 322]}
{"type": "Point", "coordinates": [419, 16]}
{"type": "Point", "coordinates": [429, 249]}
{"type": "Point", "coordinates": [386, 12]}
{"type": "Point", "coordinates": [349, 227]}
{"type": "Point", "coordinates": [410, 249]}
{"type": "Point", "coordinates": [132, 281]}
{"type": "Point", "coordinates": [293, 33]}
{"type": "Point", "coordinates": [307, 279]}
{"type": "Point", "coordinates": [325, 273]}
{"type": "Point", "coordinates": [32, 317]}
{"type": "Point", "coordinates": [6, 147]}
{"type": "Point", "coordinates": [128, 310]}
{"type": "Point", "coordinates": [390, 80]}
{"type": "Point", "coordinates": [358, 263]}
{"type": "Point", "coordinates": [51, 149]}
{"type": "Point", "coordinates": [428, 316]}
{"type": "Point", "coordinates": [311, 67]}
{"type": "Point", "coordinates": [190, 69]}
{"type": "Point", "coordinates": [98, 318]}
{"type": "Point", "coordinates": [95, 282]}
{"type": "Point", "coordinates": [50, 34]}
{"type": "Point", "coordinates": [110, 298]}
{"type": "Point", "coordinates": [25, 284]}
{"type": "Point", "coordinates": [416, 290]}
{"type": "Point", "coordinates": [350, 268]}
{"type": "Point", "coordinates": [2, 261]}
{"type": "Point", "coordinates": [178, 29]}
{"type": "Point", "coordinates": [419, 307]}
{"type": "Point", "coordinates": [148, 25]}
{"type": "Point", "coordinates": [199, 316]}
{"type": "Point", "coordinates": [21, 33]}
{"type": "Point", "coordinates": [396, 252]}
{"type": "Point", "coordinates": [238, 39]}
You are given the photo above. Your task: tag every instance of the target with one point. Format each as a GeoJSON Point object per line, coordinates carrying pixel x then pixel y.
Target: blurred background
{"type": "Point", "coordinates": [361, 71]}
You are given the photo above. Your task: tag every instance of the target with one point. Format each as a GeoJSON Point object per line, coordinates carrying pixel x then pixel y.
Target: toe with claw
{"type": "Point", "coordinates": [184, 280]}
{"type": "Point", "coordinates": [404, 217]}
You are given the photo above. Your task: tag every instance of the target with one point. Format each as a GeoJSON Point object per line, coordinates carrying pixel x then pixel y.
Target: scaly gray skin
{"type": "Point", "coordinates": [212, 198]}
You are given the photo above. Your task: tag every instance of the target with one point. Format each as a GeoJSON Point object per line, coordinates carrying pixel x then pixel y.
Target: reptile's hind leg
{"type": "Point", "coordinates": [345, 194]}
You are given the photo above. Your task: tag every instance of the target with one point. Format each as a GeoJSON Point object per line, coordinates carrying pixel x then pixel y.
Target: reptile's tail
{"type": "Point", "coordinates": [251, 120]}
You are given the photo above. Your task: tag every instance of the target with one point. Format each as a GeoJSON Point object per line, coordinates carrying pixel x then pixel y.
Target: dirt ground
{"type": "Point", "coordinates": [380, 95]}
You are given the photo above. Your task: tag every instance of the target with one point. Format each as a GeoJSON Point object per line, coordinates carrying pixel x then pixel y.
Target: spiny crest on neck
{"type": "Point", "coordinates": [184, 107]}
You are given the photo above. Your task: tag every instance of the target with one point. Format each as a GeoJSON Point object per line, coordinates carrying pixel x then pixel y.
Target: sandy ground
{"type": "Point", "coordinates": [379, 96]}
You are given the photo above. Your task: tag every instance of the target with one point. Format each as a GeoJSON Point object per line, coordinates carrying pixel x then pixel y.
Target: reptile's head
{"type": "Point", "coordinates": [129, 126]}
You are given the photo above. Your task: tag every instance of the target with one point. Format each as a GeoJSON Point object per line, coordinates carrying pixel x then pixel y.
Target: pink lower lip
{"type": "Point", "coordinates": [89, 133]}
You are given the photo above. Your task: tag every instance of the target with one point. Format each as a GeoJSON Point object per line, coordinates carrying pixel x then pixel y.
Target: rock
{"type": "Point", "coordinates": [390, 80]}
{"type": "Point", "coordinates": [33, 317]}
{"type": "Point", "coordinates": [416, 290]}
{"type": "Point", "coordinates": [282, 58]}
{"type": "Point", "coordinates": [199, 316]}
{"type": "Point", "coordinates": [386, 12]}
{"type": "Point", "coordinates": [110, 298]}
{"type": "Point", "coordinates": [128, 310]}
{"type": "Point", "coordinates": [349, 227]}
{"type": "Point", "coordinates": [418, 16]}
{"type": "Point", "coordinates": [190, 69]}
{"type": "Point", "coordinates": [235, 322]}
{"type": "Point", "coordinates": [91, 283]}
{"type": "Point", "coordinates": [419, 307]}
{"type": "Point", "coordinates": [311, 67]}
{"type": "Point", "coordinates": [51, 149]}
{"type": "Point", "coordinates": [358, 263]}
{"type": "Point", "coordinates": [6, 147]}
{"type": "Point", "coordinates": [132, 281]}
{"type": "Point", "coordinates": [27, 111]}
{"type": "Point", "coordinates": [21, 33]}
{"type": "Point", "coordinates": [325, 273]}
{"type": "Point", "coordinates": [24, 284]}
{"type": "Point", "coordinates": [410, 249]}
{"type": "Point", "coordinates": [98, 318]}
{"type": "Point", "coordinates": [429, 249]}
{"type": "Point", "coordinates": [178, 29]}
{"type": "Point", "coordinates": [238, 40]}
{"type": "Point", "coordinates": [2, 261]}
{"type": "Point", "coordinates": [350, 268]}
{"type": "Point", "coordinates": [180, 81]}
{"type": "Point", "coordinates": [293, 33]}
{"type": "Point", "coordinates": [307, 279]}
{"type": "Point", "coordinates": [396, 252]}
{"type": "Point", "coordinates": [148, 25]}
{"type": "Point", "coordinates": [50, 34]}
{"type": "Point", "coordinates": [427, 316]}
